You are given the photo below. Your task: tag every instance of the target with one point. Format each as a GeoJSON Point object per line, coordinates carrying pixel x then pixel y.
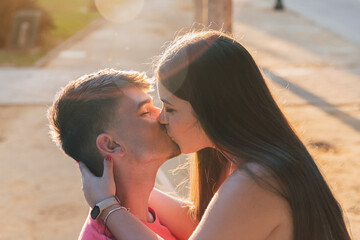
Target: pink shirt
{"type": "Point", "coordinates": [96, 229]}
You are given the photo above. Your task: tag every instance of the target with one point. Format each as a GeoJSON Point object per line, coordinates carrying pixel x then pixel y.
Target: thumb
{"type": "Point", "coordinates": [108, 167]}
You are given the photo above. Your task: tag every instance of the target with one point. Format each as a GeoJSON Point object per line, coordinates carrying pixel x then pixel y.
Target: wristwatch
{"type": "Point", "coordinates": [99, 207]}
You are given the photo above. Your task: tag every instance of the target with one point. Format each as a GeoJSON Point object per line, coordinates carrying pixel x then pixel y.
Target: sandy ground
{"type": "Point", "coordinates": [336, 150]}
{"type": "Point", "coordinates": [40, 188]}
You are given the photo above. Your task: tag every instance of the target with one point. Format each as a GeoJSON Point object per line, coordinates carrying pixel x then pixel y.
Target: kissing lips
{"type": "Point", "coordinates": [172, 139]}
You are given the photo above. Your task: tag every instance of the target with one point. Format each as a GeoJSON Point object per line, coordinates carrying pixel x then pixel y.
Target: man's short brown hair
{"type": "Point", "coordinates": [84, 108]}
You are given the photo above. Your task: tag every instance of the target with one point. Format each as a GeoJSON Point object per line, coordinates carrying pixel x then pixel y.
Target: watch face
{"type": "Point", "coordinates": [95, 212]}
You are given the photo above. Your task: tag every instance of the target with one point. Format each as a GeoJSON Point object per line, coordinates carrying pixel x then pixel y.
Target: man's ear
{"type": "Point", "coordinates": [106, 144]}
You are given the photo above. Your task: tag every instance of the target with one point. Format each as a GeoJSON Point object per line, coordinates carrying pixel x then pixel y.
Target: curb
{"type": "Point", "coordinates": [95, 24]}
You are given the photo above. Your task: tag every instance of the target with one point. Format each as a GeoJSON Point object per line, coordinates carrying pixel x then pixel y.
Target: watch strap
{"type": "Point", "coordinates": [106, 203]}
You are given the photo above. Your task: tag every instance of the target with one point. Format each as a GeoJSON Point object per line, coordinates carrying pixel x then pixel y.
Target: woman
{"type": "Point", "coordinates": [254, 178]}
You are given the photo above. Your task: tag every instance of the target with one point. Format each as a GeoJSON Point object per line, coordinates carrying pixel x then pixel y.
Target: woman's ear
{"type": "Point", "coordinates": [106, 144]}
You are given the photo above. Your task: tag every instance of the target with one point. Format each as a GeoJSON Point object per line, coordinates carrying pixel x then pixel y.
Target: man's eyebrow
{"type": "Point", "coordinates": [166, 101]}
{"type": "Point", "coordinates": [142, 103]}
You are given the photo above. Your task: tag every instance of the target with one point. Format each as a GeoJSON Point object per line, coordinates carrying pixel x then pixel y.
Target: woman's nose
{"type": "Point", "coordinates": [162, 117]}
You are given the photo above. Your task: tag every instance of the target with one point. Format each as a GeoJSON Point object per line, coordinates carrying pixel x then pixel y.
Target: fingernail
{"type": "Point", "coordinates": [108, 158]}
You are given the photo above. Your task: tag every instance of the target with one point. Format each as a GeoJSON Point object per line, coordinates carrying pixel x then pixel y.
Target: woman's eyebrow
{"type": "Point", "coordinates": [166, 101]}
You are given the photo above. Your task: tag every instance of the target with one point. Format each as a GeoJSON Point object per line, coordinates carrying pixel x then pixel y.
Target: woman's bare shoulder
{"type": "Point", "coordinates": [255, 186]}
{"type": "Point", "coordinates": [246, 208]}
{"type": "Point", "coordinates": [250, 178]}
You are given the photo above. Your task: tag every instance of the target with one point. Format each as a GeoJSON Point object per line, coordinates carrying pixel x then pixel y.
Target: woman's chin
{"type": "Point", "coordinates": [189, 149]}
{"type": "Point", "coordinates": [184, 150]}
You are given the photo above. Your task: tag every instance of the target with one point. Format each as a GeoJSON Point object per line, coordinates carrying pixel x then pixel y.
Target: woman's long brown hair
{"type": "Point", "coordinates": [233, 104]}
{"type": "Point", "coordinates": [206, 172]}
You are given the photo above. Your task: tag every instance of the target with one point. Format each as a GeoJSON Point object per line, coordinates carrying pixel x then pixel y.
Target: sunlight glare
{"type": "Point", "coordinates": [119, 11]}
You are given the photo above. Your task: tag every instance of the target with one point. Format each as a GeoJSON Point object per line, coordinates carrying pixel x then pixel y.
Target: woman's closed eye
{"type": "Point", "coordinates": [169, 110]}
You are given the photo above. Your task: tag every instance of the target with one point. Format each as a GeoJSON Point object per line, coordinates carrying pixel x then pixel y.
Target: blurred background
{"type": "Point", "coordinates": [309, 51]}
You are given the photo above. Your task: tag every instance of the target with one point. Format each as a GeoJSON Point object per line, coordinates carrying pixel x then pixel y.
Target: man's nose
{"type": "Point", "coordinates": [162, 117]}
{"type": "Point", "coordinates": [157, 112]}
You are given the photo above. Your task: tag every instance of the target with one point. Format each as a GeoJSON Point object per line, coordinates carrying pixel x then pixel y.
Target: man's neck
{"type": "Point", "coordinates": [133, 187]}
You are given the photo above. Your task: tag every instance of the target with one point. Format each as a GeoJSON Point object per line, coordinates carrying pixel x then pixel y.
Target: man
{"type": "Point", "coordinates": [110, 115]}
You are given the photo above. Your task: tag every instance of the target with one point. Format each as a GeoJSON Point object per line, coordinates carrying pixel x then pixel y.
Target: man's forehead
{"type": "Point", "coordinates": [133, 98]}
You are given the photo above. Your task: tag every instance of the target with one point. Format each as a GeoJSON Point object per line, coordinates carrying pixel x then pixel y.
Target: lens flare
{"type": "Point", "coordinates": [119, 11]}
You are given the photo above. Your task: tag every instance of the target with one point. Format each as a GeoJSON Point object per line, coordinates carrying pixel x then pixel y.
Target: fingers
{"type": "Point", "coordinates": [85, 172]}
{"type": "Point", "coordinates": [108, 167]}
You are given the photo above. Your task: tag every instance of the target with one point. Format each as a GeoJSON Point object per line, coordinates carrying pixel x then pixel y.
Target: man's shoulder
{"type": "Point", "coordinates": [94, 229]}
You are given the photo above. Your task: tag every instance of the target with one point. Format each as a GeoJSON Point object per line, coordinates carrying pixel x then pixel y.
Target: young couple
{"type": "Point", "coordinates": [252, 177]}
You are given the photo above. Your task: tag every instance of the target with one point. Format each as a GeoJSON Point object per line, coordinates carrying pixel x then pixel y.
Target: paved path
{"type": "Point", "coordinates": [306, 63]}
{"type": "Point", "coordinates": [291, 47]}
{"type": "Point", "coordinates": [341, 17]}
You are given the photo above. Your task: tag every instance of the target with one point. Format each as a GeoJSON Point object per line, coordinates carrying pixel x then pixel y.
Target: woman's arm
{"type": "Point", "coordinates": [124, 225]}
{"type": "Point", "coordinates": [241, 209]}
{"type": "Point", "coordinates": [121, 223]}
{"type": "Point", "coordinates": [173, 213]}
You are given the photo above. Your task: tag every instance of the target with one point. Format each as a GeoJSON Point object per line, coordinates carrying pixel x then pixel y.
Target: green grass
{"type": "Point", "coordinates": [12, 58]}
{"type": "Point", "coordinates": [69, 17]}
